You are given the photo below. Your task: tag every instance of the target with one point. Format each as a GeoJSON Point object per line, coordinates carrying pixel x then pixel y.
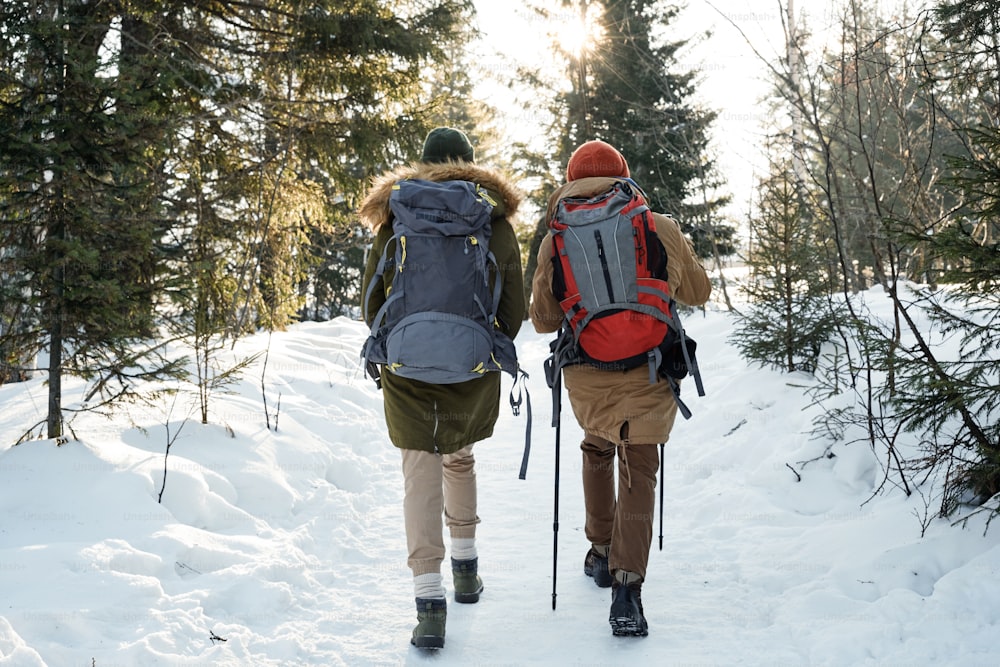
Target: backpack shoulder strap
{"type": "Point", "coordinates": [377, 277]}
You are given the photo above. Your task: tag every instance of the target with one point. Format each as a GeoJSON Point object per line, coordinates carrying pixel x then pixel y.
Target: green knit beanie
{"type": "Point", "coordinates": [445, 143]}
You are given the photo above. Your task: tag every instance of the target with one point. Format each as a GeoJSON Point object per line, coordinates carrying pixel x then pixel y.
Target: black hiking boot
{"type": "Point", "coordinates": [431, 616]}
{"type": "Point", "coordinates": [465, 579]}
{"type": "Point", "coordinates": [595, 565]}
{"type": "Point", "coordinates": [626, 616]}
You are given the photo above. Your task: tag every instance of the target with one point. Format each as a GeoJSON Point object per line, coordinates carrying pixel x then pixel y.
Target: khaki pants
{"type": "Point", "coordinates": [623, 519]}
{"type": "Point", "coordinates": [436, 484]}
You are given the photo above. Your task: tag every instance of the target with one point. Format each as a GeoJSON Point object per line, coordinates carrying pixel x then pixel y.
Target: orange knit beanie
{"type": "Point", "coordinates": [596, 158]}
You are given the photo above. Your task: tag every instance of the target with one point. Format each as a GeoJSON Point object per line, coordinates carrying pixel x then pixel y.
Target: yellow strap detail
{"type": "Point", "coordinates": [473, 240]}
{"type": "Point", "coordinates": [480, 368]}
{"type": "Point", "coordinates": [402, 259]}
{"type": "Point", "coordinates": [485, 195]}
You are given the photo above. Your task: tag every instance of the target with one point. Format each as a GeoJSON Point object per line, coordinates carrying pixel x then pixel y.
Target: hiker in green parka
{"type": "Point", "coordinates": [436, 425]}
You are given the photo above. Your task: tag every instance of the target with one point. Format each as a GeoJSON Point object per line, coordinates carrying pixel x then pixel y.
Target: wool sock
{"type": "Point", "coordinates": [428, 586]}
{"type": "Point", "coordinates": [463, 548]}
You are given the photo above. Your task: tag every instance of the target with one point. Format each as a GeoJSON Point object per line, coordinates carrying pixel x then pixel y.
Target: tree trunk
{"type": "Point", "coordinates": [54, 421]}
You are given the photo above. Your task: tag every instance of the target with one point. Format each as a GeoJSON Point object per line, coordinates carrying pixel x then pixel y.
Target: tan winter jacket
{"type": "Point", "coordinates": [445, 418]}
{"type": "Point", "coordinates": [619, 406]}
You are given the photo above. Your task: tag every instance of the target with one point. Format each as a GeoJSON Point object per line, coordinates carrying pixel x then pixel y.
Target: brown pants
{"type": "Point", "coordinates": [623, 520]}
{"type": "Point", "coordinates": [436, 484]}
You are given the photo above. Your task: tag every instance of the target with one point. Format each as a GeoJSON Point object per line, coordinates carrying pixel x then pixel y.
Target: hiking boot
{"type": "Point", "coordinates": [465, 578]}
{"type": "Point", "coordinates": [626, 616]}
{"type": "Point", "coordinates": [431, 616]}
{"type": "Point", "coordinates": [596, 565]}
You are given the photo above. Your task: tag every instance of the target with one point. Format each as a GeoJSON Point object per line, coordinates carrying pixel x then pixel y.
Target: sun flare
{"type": "Point", "coordinates": [577, 32]}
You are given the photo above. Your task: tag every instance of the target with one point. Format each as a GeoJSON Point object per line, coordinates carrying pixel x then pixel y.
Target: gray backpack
{"type": "Point", "coordinates": [438, 323]}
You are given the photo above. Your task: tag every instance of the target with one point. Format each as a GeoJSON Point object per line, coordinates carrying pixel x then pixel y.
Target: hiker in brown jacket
{"type": "Point", "coordinates": [619, 411]}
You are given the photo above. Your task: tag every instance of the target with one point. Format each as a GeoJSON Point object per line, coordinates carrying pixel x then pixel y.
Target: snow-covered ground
{"type": "Point", "coordinates": [286, 547]}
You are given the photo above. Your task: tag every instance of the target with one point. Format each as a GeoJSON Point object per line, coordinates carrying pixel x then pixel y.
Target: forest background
{"type": "Point", "coordinates": [189, 171]}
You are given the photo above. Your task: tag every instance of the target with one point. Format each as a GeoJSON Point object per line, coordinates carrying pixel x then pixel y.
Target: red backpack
{"type": "Point", "coordinates": [610, 278]}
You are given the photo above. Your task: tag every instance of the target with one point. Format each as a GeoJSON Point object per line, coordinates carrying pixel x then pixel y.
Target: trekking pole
{"type": "Point", "coordinates": [555, 521]}
{"type": "Point", "coordinates": [553, 375]}
{"type": "Point", "coordinates": [661, 496]}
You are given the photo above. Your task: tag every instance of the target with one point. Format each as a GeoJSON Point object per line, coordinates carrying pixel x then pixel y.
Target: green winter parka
{"type": "Point", "coordinates": [432, 417]}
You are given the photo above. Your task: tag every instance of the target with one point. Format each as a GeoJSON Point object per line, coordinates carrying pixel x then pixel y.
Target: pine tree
{"type": "Point", "coordinates": [170, 161]}
{"type": "Point", "coordinates": [789, 316]}
{"type": "Point", "coordinates": [336, 94]}
{"type": "Point", "coordinates": [631, 92]}
{"type": "Point", "coordinates": [75, 173]}
{"type": "Point", "coordinates": [628, 89]}
{"type": "Point", "coordinates": [440, 94]}
{"type": "Point", "coordinates": [898, 102]}
{"type": "Point", "coordinates": [952, 402]}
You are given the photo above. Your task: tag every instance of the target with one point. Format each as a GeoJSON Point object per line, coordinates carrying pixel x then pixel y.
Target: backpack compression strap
{"type": "Point", "coordinates": [371, 368]}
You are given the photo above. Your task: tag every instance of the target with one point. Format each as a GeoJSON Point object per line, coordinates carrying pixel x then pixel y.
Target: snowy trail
{"type": "Point", "coordinates": [288, 545]}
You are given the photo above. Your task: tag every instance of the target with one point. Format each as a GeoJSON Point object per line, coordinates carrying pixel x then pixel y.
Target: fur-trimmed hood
{"type": "Point", "coordinates": [374, 210]}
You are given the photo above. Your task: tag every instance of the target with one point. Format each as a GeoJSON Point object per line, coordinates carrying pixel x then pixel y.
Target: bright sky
{"type": "Point", "coordinates": [733, 83]}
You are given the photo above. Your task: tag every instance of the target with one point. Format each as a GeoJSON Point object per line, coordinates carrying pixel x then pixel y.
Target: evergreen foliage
{"type": "Point", "coordinates": [76, 180]}
{"type": "Point", "coordinates": [952, 402]}
{"type": "Point", "coordinates": [169, 166]}
{"type": "Point", "coordinates": [628, 88]}
{"type": "Point", "coordinates": [630, 91]}
{"type": "Point", "coordinates": [899, 153]}
{"type": "Point", "coordinates": [790, 316]}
